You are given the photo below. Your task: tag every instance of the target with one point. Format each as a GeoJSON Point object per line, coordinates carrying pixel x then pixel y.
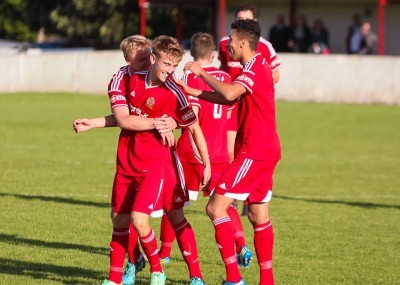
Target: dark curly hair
{"type": "Point", "coordinates": [249, 30]}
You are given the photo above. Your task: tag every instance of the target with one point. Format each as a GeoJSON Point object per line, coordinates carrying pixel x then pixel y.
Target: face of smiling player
{"type": "Point", "coordinates": [234, 45]}
{"type": "Point", "coordinates": [139, 59]}
{"type": "Point", "coordinates": [162, 67]}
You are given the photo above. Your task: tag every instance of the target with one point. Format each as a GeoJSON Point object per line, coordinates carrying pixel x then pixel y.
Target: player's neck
{"type": "Point", "coordinates": [246, 56]}
{"type": "Point", "coordinates": [152, 80]}
{"type": "Point", "coordinates": [204, 62]}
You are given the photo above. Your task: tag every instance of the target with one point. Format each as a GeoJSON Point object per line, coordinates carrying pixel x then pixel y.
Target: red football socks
{"type": "Point", "coordinates": [150, 248]}
{"type": "Point", "coordinates": [167, 237]}
{"type": "Point", "coordinates": [263, 243]}
{"type": "Point", "coordinates": [118, 247]}
{"type": "Point", "coordinates": [187, 244]}
{"type": "Point", "coordinates": [225, 242]}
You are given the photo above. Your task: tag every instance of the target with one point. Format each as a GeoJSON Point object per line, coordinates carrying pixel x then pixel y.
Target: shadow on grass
{"type": "Point", "coordinates": [63, 274]}
{"type": "Point", "coordinates": [57, 199]}
{"type": "Point", "coordinates": [348, 203]}
{"type": "Point", "coordinates": [15, 240]}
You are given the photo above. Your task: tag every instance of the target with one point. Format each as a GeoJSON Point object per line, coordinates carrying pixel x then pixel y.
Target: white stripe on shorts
{"type": "Point", "coordinates": [242, 171]}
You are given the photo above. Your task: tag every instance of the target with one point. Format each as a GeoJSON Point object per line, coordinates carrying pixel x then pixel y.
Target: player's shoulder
{"type": "Point", "coordinates": [224, 39]}
{"type": "Point", "coordinates": [216, 71]}
{"type": "Point", "coordinates": [264, 45]}
{"type": "Point", "coordinates": [123, 70]}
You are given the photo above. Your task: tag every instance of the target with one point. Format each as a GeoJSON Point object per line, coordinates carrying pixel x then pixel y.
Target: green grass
{"type": "Point", "coordinates": [336, 205]}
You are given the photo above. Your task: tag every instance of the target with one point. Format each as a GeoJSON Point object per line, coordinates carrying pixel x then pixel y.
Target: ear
{"type": "Point", "coordinates": [213, 55]}
{"type": "Point", "coordinates": [153, 58]}
{"type": "Point", "coordinates": [127, 60]}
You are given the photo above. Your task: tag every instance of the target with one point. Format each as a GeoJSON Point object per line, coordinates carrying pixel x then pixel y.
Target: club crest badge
{"type": "Point", "coordinates": [150, 102]}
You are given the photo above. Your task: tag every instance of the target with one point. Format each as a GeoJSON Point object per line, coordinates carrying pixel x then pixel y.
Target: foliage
{"type": "Point", "coordinates": [100, 22]}
{"type": "Point", "coordinates": [335, 206]}
{"type": "Point", "coordinates": [12, 21]}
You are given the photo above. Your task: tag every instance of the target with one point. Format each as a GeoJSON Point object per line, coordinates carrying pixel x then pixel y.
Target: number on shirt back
{"type": "Point", "coordinates": [217, 111]}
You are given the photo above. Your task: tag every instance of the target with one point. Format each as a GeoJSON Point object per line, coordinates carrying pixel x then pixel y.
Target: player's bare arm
{"type": "Point", "coordinates": [276, 76]}
{"type": "Point", "coordinates": [137, 123]}
{"type": "Point", "coordinates": [200, 141]}
{"type": "Point", "coordinates": [224, 93]}
{"type": "Point", "coordinates": [84, 124]}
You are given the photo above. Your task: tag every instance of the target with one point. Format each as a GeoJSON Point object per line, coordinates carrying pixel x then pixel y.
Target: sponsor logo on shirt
{"type": "Point", "coordinates": [244, 77]}
{"type": "Point", "coordinates": [219, 77]}
{"type": "Point", "coordinates": [115, 98]}
{"type": "Point", "coordinates": [150, 102]}
{"type": "Point", "coordinates": [189, 115]}
{"type": "Point", "coordinates": [139, 112]}
{"type": "Point", "coordinates": [235, 64]}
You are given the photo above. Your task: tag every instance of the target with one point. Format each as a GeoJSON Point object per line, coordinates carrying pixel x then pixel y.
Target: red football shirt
{"type": "Point", "coordinates": [155, 101]}
{"type": "Point", "coordinates": [212, 120]}
{"type": "Point", "coordinates": [234, 68]}
{"type": "Point", "coordinates": [117, 89]}
{"type": "Point", "coordinates": [144, 150]}
{"type": "Point", "coordinates": [257, 137]}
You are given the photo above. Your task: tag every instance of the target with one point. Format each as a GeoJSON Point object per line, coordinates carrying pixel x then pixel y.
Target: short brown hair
{"type": "Point", "coordinates": [132, 43]}
{"type": "Point", "coordinates": [202, 45]}
{"type": "Point", "coordinates": [247, 7]}
{"type": "Point", "coordinates": [167, 45]}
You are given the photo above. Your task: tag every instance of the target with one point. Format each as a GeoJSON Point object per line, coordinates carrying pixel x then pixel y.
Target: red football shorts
{"type": "Point", "coordinates": [194, 175]}
{"type": "Point", "coordinates": [154, 192]}
{"type": "Point", "coordinates": [248, 179]}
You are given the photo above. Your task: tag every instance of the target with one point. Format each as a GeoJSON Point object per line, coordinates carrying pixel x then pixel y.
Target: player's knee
{"type": "Point", "coordinates": [258, 218]}
{"type": "Point", "coordinates": [212, 211]}
{"type": "Point", "coordinates": [121, 220]}
{"type": "Point", "coordinates": [176, 216]}
{"type": "Point", "coordinates": [141, 225]}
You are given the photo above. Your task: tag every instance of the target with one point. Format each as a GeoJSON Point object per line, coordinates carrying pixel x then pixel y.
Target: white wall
{"type": "Point", "coordinates": [304, 77]}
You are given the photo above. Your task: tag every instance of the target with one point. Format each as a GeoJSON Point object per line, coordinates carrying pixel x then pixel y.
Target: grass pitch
{"type": "Point", "coordinates": [335, 208]}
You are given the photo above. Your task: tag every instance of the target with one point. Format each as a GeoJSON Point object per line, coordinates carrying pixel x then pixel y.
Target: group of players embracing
{"type": "Point", "coordinates": [157, 176]}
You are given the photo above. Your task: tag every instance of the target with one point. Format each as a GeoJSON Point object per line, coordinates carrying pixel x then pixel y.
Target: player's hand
{"type": "Point", "coordinates": [189, 90]}
{"type": "Point", "coordinates": [82, 125]}
{"type": "Point", "coordinates": [205, 183]}
{"type": "Point", "coordinates": [168, 138]}
{"type": "Point", "coordinates": [165, 124]}
{"type": "Point", "coordinates": [193, 66]}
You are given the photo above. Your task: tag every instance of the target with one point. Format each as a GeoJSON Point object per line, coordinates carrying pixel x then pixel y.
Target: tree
{"type": "Point", "coordinates": [12, 21]}
{"type": "Point", "coordinates": [103, 23]}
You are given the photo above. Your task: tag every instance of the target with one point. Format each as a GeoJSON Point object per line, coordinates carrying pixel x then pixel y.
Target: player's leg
{"type": "Point", "coordinates": [187, 244]}
{"type": "Point", "coordinates": [149, 189]}
{"type": "Point", "coordinates": [121, 201]}
{"type": "Point", "coordinates": [263, 240]}
{"type": "Point", "coordinates": [243, 253]}
{"type": "Point", "coordinates": [224, 235]}
{"type": "Point", "coordinates": [136, 261]}
{"type": "Point", "coordinates": [259, 217]}
{"type": "Point", "coordinates": [167, 237]}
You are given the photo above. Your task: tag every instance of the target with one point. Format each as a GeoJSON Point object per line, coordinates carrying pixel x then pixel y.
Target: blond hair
{"type": "Point", "coordinates": [167, 45]}
{"type": "Point", "coordinates": [133, 43]}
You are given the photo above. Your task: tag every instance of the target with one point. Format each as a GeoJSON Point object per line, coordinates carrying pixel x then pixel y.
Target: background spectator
{"type": "Point", "coordinates": [369, 40]}
{"type": "Point", "coordinates": [353, 38]}
{"type": "Point", "coordinates": [279, 35]}
{"type": "Point", "coordinates": [300, 35]}
{"type": "Point", "coordinates": [319, 38]}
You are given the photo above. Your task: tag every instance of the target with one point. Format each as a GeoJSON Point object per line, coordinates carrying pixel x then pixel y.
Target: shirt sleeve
{"type": "Point", "coordinates": [269, 53]}
{"type": "Point", "coordinates": [117, 89]}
